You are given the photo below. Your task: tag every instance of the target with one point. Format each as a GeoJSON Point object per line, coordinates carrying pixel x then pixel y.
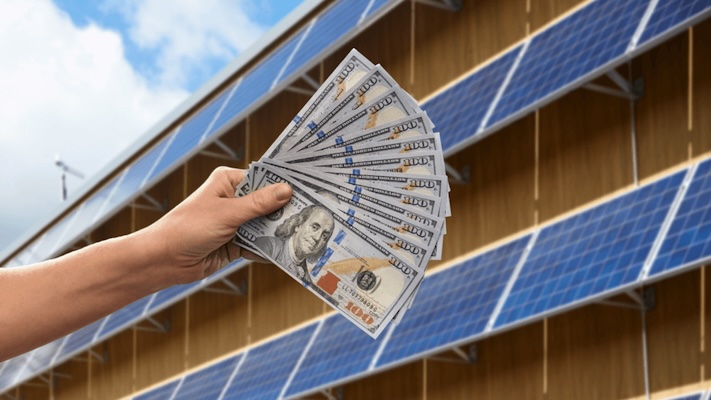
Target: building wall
{"type": "Point", "coordinates": [574, 152]}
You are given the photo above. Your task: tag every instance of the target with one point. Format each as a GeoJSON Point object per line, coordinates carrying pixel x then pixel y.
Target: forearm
{"type": "Point", "coordinates": [45, 301]}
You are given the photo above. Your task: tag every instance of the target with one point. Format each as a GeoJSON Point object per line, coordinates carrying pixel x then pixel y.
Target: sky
{"type": "Point", "coordinates": [85, 79]}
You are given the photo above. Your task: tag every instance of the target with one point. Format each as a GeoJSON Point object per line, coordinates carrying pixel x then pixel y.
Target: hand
{"type": "Point", "coordinates": [193, 240]}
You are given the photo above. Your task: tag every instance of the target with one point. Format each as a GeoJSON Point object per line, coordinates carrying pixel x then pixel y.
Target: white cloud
{"type": "Point", "coordinates": [63, 90]}
{"type": "Point", "coordinates": [188, 35]}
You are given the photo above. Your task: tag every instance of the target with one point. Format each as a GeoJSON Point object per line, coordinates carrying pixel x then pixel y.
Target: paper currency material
{"type": "Point", "coordinates": [370, 196]}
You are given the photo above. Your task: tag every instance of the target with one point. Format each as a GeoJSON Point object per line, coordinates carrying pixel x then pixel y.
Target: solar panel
{"type": "Point", "coordinates": [79, 340]}
{"type": "Point", "coordinates": [459, 111]}
{"type": "Point", "coordinates": [41, 357]}
{"type": "Point", "coordinates": [53, 239]}
{"type": "Point", "coordinates": [123, 317]}
{"type": "Point", "coordinates": [267, 367]}
{"type": "Point", "coordinates": [669, 14]}
{"type": "Point", "coordinates": [455, 304]}
{"type": "Point", "coordinates": [258, 81]}
{"type": "Point", "coordinates": [207, 383]}
{"type": "Point", "coordinates": [160, 393]}
{"type": "Point", "coordinates": [590, 253]}
{"type": "Point", "coordinates": [170, 294]}
{"type": "Point", "coordinates": [339, 350]}
{"type": "Point", "coordinates": [330, 26]}
{"type": "Point", "coordinates": [190, 135]}
{"type": "Point", "coordinates": [12, 368]}
{"type": "Point", "coordinates": [374, 8]}
{"type": "Point", "coordinates": [692, 396]}
{"type": "Point", "coordinates": [587, 40]}
{"type": "Point", "coordinates": [688, 241]}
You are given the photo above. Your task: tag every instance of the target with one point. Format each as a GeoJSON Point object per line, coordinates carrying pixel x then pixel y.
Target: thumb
{"type": "Point", "coordinates": [258, 203]}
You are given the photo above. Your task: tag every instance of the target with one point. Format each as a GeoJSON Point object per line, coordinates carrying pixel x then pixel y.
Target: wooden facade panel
{"type": "Point", "coordinates": [76, 387]}
{"type": "Point", "coordinates": [403, 383]}
{"type": "Point", "coordinates": [701, 88]}
{"type": "Point", "coordinates": [498, 200]}
{"type": "Point", "coordinates": [595, 353]}
{"type": "Point", "coordinates": [661, 114]}
{"type": "Point", "coordinates": [278, 302]}
{"type": "Point", "coordinates": [218, 322]}
{"type": "Point", "coordinates": [544, 12]}
{"type": "Point", "coordinates": [113, 378]}
{"type": "Point", "coordinates": [162, 355]}
{"type": "Point", "coordinates": [673, 332]}
{"type": "Point", "coordinates": [585, 150]}
{"type": "Point", "coordinates": [35, 389]}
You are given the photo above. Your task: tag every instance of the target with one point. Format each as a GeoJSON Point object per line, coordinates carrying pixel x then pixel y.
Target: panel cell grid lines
{"type": "Point", "coordinates": [160, 393]}
{"type": "Point", "coordinates": [258, 81]}
{"type": "Point", "coordinates": [459, 111]}
{"type": "Point", "coordinates": [190, 134]}
{"type": "Point", "coordinates": [591, 253]}
{"type": "Point", "coordinates": [11, 370]}
{"type": "Point", "coordinates": [454, 304]}
{"type": "Point", "coordinates": [79, 340]}
{"type": "Point", "coordinates": [671, 13]}
{"type": "Point", "coordinates": [335, 22]}
{"type": "Point", "coordinates": [120, 318]}
{"type": "Point", "coordinates": [173, 292]}
{"type": "Point", "coordinates": [209, 382]}
{"type": "Point", "coordinates": [587, 40]}
{"type": "Point", "coordinates": [340, 350]}
{"type": "Point", "coordinates": [377, 5]}
{"type": "Point", "coordinates": [688, 240]}
{"type": "Point", "coordinates": [266, 368]}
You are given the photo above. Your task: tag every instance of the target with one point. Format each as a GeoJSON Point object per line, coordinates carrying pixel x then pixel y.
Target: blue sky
{"type": "Point", "coordinates": [85, 79]}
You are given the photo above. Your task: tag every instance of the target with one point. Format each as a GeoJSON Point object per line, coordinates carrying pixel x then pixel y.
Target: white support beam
{"type": "Point", "coordinates": [153, 204]}
{"type": "Point", "coordinates": [154, 326]}
{"type": "Point", "coordinates": [449, 5]}
{"type": "Point", "coordinates": [232, 288]}
{"type": "Point", "coordinates": [456, 176]}
{"type": "Point", "coordinates": [226, 154]}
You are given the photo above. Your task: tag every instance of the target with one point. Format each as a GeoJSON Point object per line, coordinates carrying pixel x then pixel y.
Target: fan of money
{"type": "Point", "coordinates": [370, 196]}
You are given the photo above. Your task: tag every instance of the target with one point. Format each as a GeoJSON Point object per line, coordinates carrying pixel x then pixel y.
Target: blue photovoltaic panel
{"type": "Point", "coordinates": [329, 27]}
{"type": "Point", "coordinates": [88, 213]}
{"type": "Point", "coordinates": [208, 382]}
{"type": "Point", "coordinates": [455, 304]}
{"type": "Point", "coordinates": [160, 393]}
{"type": "Point", "coordinates": [377, 5]}
{"type": "Point", "coordinates": [258, 81]}
{"type": "Point", "coordinates": [79, 340]}
{"type": "Point", "coordinates": [695, 396]}
{"type": "Point", "coordinates": [189, 136]}
{"type": "Point", "coordinates": [340, 350]}
{"type": "Point", "coordinates": [688, 240]}
{"type": "Point", "coordinates": [54, 239]}
{"type": "Point", "coordinates": [266, 368]}
{"type": "Point", "coordinates": [585, 41]}
{"type": "Point", "coordinates": [215, 126]}
{"type": "Point", "coordinates": [41, 358]}
{"type": "Point", "coordinates": [172, 293]}
{"type": "Point", "coordinates": [458, 112]}
{"type": "Point", "coordinates": [135, 175]}
{"type": "Point", "coordinates": [126, 315]}
{"type": "Point", "coordinates": [12, 370]}
{"type": "Point", "coordinates": [591, 253]}
{"type": "Point", "coordinates": [672, 13]}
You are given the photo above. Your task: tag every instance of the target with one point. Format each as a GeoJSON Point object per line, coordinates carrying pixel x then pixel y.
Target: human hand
{"type": "Point", "coordinates": [194, 239]}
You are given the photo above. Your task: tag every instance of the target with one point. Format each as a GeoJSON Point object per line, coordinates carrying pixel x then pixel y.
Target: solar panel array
{"type": "Point", "coordinates": [336, 24]}
{"type": "Point", "coordinates": [518, 80]}
{"type": "Point", "coordinates": [587, 43]}
{"type": "Point", "coordinates": [586, 257]}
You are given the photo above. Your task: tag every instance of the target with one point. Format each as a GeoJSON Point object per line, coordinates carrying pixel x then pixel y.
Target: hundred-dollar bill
{"type": "Point", "coordinates": [387, 107]}
{"type": "Point", "coordinates": [356, 274]}
{"type": "Point", "coordinates": [349, 72]}
{"type": "Point", "coordinates": [416, 125]}
{"type": "Point", "coordinates": [419, 163]}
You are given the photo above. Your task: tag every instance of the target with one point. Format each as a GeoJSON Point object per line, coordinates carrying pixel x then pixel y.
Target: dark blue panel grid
{"type": "Point", "coordinates": [454, 304]}
{"type": "Point", "coordinates": [591, 253]}
{"type": "Point", "coordinates": [12, 370]}
{"type": "Point", "coordinates": [89, 212]}
{"type": "Point", "coordinates": [258, 81]}
{"type": "Point", "coordinates": [458, 112]}
{"type": "Point", "coordinates": [189, 135]}
{"type": "Point", "coordinates": [170, 294]}
{"type": "Point", "coordinates": [160, 393]}
{"type": "Point", "coordinates": [585, 41]}
{"type": "Point", "coordinates": [209, 382]}
{"type": "Point", "coordinates": [672, 13]}
{"type": "Point", "coordinates": [136, 175]}
{"type": "Point", "coordinates": [41, 358]}
{"type": "Point", "coordinates": [120, 318]}
{"type": "Point", "coordinates": [694, 396]}
{"type": "Point", "coordinates": [340, 350]}
{"type": "Point", "coordinates": [688, 240]}
{"type": "Point", "coordinates": [79, 340]}
{"type": "Point", "coordinates": [264, 372]}
{"type": "Point", "coordinates": [329, 27]}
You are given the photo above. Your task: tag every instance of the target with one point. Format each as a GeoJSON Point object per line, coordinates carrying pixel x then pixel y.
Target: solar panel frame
{"type": "Point", "coordinates": [160, 392]}
{"type": "Point", "coordinates": [201, 384]}
{"type": "Point", "coordinates": [695, 11]}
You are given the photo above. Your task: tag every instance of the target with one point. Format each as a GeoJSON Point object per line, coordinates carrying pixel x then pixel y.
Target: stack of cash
{"type": "Point", "coordinates": [370, 196]}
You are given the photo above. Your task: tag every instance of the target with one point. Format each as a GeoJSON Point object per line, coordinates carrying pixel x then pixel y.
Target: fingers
{"type": "Point", "coordinates": [225, 179]}
{"type": "Point", "coordinates": [258, 203]}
